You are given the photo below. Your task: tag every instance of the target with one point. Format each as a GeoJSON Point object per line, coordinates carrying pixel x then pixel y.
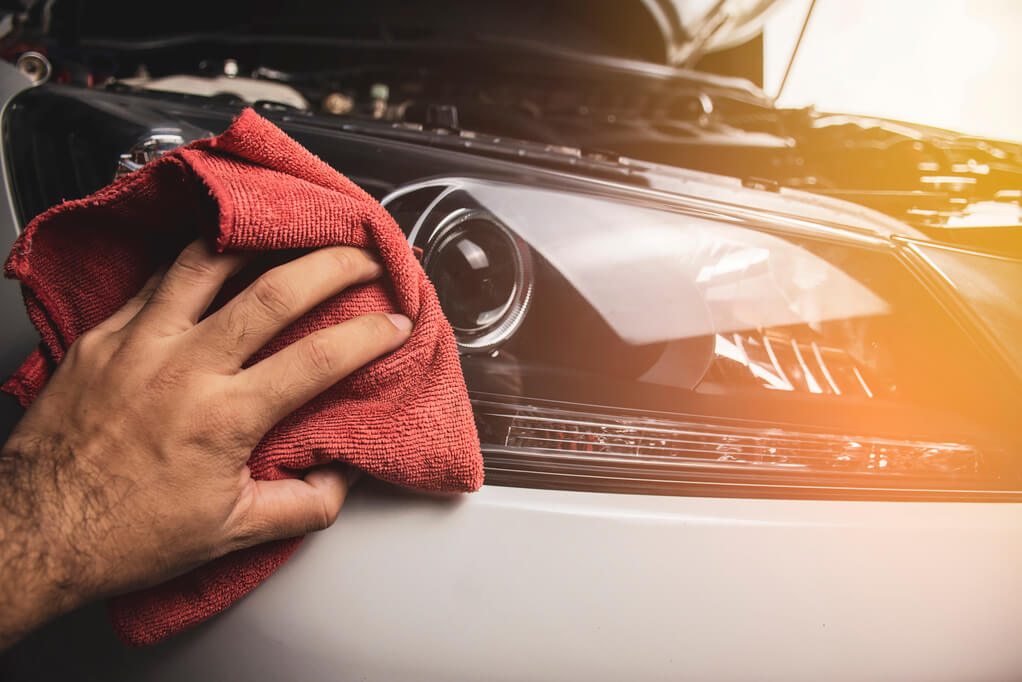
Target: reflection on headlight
{"type": "Point", "coordinates": [701, 276]}
{"type": "Point", "coordinates": [783, 363]}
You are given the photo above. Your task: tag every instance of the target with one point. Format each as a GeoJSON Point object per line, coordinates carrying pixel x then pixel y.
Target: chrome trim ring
{"type": "Point", "coordinates": [491, 335]}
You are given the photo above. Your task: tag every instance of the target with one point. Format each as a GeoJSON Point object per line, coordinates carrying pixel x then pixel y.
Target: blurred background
{"type": "Point", "coordinates": [953, 64]}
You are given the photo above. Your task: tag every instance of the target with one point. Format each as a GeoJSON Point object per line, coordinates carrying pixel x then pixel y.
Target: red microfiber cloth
{"type": "Point", "coordinates": [404, 418]}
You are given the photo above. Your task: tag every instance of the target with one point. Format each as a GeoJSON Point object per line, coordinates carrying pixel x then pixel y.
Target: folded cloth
{"type": "Point", "coordinates": [404, 418]}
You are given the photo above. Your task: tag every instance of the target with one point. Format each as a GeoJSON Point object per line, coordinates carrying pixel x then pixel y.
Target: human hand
{"type": "Point", "coordinates": [130, 467]}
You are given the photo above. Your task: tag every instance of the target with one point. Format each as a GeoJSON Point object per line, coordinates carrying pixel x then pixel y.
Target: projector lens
{"type": "Point", "coordinates": [482, 274]}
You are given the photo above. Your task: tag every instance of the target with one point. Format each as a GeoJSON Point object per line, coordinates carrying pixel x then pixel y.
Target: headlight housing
{"type": "Point", "coordinates": [618, 338]}
{"type": "Point", "coordinates": [675, 349]}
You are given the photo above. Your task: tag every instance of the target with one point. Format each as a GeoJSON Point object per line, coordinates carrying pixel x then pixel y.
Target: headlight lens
{"type": "Point", "coordinates": [686, 351]}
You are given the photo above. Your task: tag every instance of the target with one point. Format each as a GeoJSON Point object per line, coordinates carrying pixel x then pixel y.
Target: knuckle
{"type": "Point", "coordinates": [89, 339]}
{"type": "Point", "coordinates": [194, 261]}
{"type": "Point", "coordinates": [275, 399]}
{"type": "Point", "coordinates": [247, 531]}
{"type": "Point", "coordinates": [147, 289]}
{"type": "Point", "coordinates": [243, 416]}
{"type": "Point", "coordinates": [319, 355]}
{"type": "Point", "coordinates": [217, 423]}
{"type": "Point", "coordinates": [216, 418]}
{"type": "Point", "coordinates": [325, 516]}
{"type": "Point", "coordinates": [273, 294]}
{"type": "Point", "coordinates": [236, 327]}
{"type": "Point", "coordinates": [379, 327]}
{"type": "Point", "coordinates": [344, 259]}
{"type": "Point", "coordinates": [332, 506]}
{"type": "Point", "coordinates": [163, 378]}
{"type": "Point", "coordinates": [88, 346]}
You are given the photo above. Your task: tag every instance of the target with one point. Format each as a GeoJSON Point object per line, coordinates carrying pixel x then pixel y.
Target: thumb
{"type": "Point", "coordinates": [291, 507]}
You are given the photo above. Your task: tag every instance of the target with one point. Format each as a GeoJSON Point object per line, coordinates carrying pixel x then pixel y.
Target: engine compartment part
{"type": "Point", "coordinates": [249, 90]}
{"type": "Point", "coordinates": [35, 66]}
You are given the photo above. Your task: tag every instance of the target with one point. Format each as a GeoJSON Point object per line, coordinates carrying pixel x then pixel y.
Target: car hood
{"type": "Point", "coordinates": [691, 28]}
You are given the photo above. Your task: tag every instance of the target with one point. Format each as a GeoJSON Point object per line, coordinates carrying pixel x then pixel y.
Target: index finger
{"type": "Point", "coordinates": [292, 376]}
{"type": "Point", "coordinates": [277, 298]}
{"type": "Point", "coordinates": [190, 285]}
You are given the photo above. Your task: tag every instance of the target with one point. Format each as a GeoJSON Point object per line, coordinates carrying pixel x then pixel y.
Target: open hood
{"type": "Point", "coordinates": [692, 28]}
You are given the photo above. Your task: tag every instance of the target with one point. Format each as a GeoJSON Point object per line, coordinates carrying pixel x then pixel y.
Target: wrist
{"type": "Point", "coordinates": [43, 571]}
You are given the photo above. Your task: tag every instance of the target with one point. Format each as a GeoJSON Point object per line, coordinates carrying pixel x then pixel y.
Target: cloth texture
{"type": "Point", "coordinates": [404, 418]}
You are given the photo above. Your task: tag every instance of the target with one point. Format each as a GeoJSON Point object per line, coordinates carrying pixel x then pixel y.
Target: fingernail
{"type": "Point", "coordinates": [400, 321]}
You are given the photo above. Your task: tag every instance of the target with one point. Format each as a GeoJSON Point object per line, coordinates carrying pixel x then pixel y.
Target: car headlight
{"type": "Point", "coordinates": [673, 349]}
{"type": "Point", "coordinates": [621, 339]}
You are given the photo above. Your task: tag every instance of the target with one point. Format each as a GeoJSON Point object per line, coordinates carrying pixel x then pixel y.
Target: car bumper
{"type": "Point", "coordinates": [523, 584]}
